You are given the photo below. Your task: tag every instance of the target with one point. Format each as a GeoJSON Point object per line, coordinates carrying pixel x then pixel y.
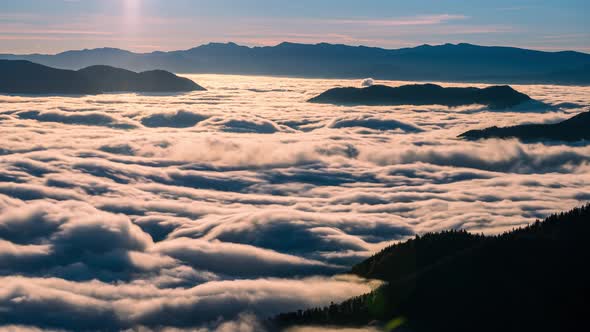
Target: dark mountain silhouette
{"type": "Point", "coordinates": [110, 79]}
{"type": "Point", "coordinates": [24, 77]}
{"type": "Point", "coordinates": [529, 279]}
{"type": "Point", "coordinates": [448, 62]}
{"type": "Point", "coordinates": [496, 97]}
{"type": "Point", "coordinates": [574, 129]}
{"type": "Point", "coordinates": [28, 77]}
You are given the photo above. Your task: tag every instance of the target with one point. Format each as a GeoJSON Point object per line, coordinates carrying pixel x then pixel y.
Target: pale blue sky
{"type": "Point", "coordinates": [49, 26]}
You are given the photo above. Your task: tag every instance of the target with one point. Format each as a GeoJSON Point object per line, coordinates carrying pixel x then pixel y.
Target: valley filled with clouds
{"type": "Point", "coordinates": [214, 210]}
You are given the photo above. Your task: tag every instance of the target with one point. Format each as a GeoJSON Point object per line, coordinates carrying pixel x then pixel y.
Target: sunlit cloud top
{"type": "Point", "coordinates": [49, 26]}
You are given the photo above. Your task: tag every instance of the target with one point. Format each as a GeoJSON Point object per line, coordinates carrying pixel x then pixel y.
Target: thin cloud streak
{"type": "Point", "coordinates": [402, 21]}
{"type": "Point", "coordinates": [54, 32]}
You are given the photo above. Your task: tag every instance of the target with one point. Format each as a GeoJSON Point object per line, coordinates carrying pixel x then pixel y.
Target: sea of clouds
{"type": "Point", "coordinates": [215, 210]}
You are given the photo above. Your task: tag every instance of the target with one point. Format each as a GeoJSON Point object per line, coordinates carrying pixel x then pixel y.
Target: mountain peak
{"type": "Point", "coordinates": [219, 45]}
{"type": "Point", "coordinates": [291, 44]}
{"type": "Point", "coordinates": [104, 50]}
{"type": "Point", "coordinates": [216, 46]}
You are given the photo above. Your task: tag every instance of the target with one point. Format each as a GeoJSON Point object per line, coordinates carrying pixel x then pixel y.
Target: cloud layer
{"type": "Point", "coordinates": [215, 209]}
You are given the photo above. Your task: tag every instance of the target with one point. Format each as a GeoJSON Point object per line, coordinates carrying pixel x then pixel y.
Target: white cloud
{"type": "Point", "coordinates": [195, 215]}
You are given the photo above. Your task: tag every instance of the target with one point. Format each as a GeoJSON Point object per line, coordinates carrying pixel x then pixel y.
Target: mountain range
{"type": "Point", "coordinates": [448, 62]}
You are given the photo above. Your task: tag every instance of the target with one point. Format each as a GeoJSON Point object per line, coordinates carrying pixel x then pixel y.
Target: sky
{"type": "Point", "coordinates": [51, 26]}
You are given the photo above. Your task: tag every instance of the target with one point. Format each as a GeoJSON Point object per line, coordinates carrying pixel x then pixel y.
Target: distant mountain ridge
{"type": "Point", "coordinates": [25, 77]}
{"type": "Point", "coordinates": [448, 62]}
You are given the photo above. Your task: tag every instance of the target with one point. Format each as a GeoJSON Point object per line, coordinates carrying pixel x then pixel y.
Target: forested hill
{"type": "Point", "coordinates": [530, 279]}
{"type": "Point", "coordinates": [571, 130]}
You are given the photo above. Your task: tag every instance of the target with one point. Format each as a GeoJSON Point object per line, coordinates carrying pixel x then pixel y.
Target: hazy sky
{"type": "Point", "coordinates": [49, 26]}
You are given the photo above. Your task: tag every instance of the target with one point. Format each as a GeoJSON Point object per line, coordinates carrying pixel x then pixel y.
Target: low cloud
{"type": "Point", "coordinates": [372, 122]}
{"type": "Point", "coordinates": [504, 156]}
{"type": "Point", "coordinates": [243, 125]}
{"type": "Point", "coordinates": [253, 205]}
{"type": "Point", "coordinates": [178, 119]}
{"type": "Point", "coordinates": [240, 260]}
{"type": "Point", "coordinates": [51, 303]}
{"type": "Point", "coordinates": [89, 118]}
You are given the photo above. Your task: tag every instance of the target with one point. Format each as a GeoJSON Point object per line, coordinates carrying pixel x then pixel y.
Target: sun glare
{"type": "Point", "coordinates": [131, 5]}
{"type": "Point", "coordinates": [131, 15]}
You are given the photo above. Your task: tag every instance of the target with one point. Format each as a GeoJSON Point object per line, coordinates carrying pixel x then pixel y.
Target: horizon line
{"type": "Point", "coordinates": [296, 43]}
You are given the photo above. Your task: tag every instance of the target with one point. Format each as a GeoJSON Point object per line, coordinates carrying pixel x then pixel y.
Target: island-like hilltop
{"type": "Point", "coordinates": [574, 129]}
{"type": "Point", "coordinates": [495, 97]}
{"type": "Point", "coordinates": [24, 77]}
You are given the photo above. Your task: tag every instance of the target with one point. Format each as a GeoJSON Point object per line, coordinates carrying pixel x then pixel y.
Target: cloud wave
{"type": "Point", "coordinates": [213, 211]}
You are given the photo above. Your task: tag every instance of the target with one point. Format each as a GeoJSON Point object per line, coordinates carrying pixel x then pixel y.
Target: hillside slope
{"type": "Point", "coordinates": [24, 77]}
{"type": "Point", "coordinates": [530, 279]}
